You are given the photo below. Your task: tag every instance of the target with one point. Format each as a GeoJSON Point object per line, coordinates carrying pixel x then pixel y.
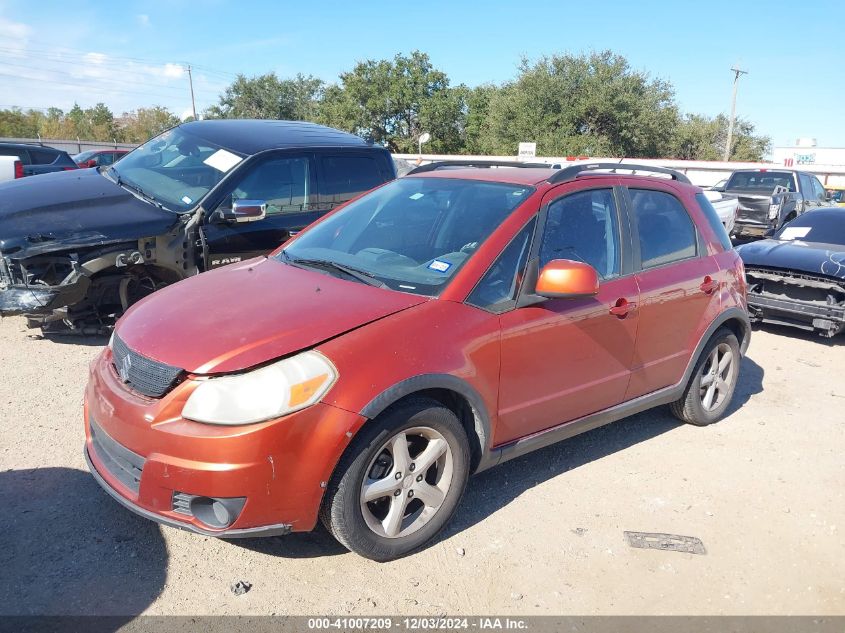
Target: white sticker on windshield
{"type": "Point", "coordinates": [416, 196]}
{"type": "Point", "coordinates": [440, 266]}
{"type": "Point", "coordinates": [186, 200]}
{"type": "Point", "coordinates": [222, 160]}
{"type": "Point", "coordinates": [794, 232]}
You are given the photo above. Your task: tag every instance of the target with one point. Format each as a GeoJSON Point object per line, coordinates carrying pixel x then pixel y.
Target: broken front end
{"type": "Point", "coordinates": [85, 289]}
{"type": "Point", "coordinates": [809, 302]}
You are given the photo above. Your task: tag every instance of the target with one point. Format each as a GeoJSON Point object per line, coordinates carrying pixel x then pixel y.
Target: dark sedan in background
{"type": "Point", "coordinates": [797, 277]}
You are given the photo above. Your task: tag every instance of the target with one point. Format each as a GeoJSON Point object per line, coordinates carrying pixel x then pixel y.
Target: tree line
{"type": "Point", "coordinates": [592, 104]}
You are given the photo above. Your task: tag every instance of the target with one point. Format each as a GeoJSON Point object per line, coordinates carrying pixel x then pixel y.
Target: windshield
{"type": "Point", "coordinates": [413, 234]}
{"type": "Point", "coordinates": [824, 227]}
{"type": "Point", "coordinates": [176, 169]}
{"type": "Point", "coordinates": [760, 181]}
{"type": "Point", "coordinates": [78, 158]}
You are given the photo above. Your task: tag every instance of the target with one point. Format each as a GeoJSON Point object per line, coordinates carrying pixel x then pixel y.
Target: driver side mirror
{"type": "Point", "coordinates": [567, 279]}
{"type": "Point", "coordinates": [245, 211]}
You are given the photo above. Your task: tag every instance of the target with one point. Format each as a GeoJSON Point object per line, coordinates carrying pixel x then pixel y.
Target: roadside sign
{"type": "Point", "coordinates": [527, 150]}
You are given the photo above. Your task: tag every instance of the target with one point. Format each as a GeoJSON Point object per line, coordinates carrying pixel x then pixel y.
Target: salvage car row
{"type": "Point", "coordinates": [391, 343]}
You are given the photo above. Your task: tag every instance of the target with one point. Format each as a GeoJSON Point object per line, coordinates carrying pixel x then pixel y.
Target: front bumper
{"type": "Point", "coordinates": [743, 229]}
{"type": "Point", "coordinates": [150, 459]}
{"type": "Point", "coordinates": [15, 300]}
{"type": "Point", "coordinates": [270, 530]}
{"type": "Point", "coordinates": [829, 320]}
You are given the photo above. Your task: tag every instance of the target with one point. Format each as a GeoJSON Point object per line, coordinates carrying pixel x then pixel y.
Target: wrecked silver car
{"type": "Point", "coordinates": [78, 248]}
{"type": "Point", "coordinates": [797, 277]}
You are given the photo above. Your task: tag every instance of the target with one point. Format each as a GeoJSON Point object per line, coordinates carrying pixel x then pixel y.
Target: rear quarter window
{"type": "Point", "coordinates": [666, 232]}
{"type": "Point", "coordinates": [714, 221]}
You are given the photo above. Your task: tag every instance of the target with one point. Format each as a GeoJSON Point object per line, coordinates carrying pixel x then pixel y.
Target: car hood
{"type": "Point", "coordinates": [242, 315]}
{"type": "Point", "coordinates": [809, 257]}
{"type": "Point", "coordinates": [71, 209]}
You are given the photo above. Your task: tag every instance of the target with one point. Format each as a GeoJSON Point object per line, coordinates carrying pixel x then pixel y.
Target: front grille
{"type": "Point", "coordinates": [121, 463]}
{"type": "Point", "coordinates": [144, 375]}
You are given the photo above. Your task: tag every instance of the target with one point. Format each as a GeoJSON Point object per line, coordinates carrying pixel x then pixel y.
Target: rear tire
{"type": "Point", "coordinates": [399, 482]}
{"type": "Point", "coordinates": [712, 383]}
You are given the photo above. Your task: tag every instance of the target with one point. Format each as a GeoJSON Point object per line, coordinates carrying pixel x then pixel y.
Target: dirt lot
{"type": "Point", "coordinates": [764, 489]}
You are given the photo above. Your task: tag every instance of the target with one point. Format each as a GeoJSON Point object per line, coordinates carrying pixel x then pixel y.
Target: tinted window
{"type": "Point", "coordinates": [105, 159]}
{"type": "Point", "coordinates": [42, 156]}
{"type": "Point", "coordinates": [666, 232]}
{"type": "Point", "coordinates": [763, 181]}
{"type": "Point", "coordinates": [413, 234]}
{"type": "Point", "coordinates": [714, 221]}
{"type": "Point", "coordinates": [822, 225]}
{"type": "Point", "coordinates": [282, 183]}
{"type": "Point", "coordinates": [22, 155]}
{"type": "Point", "coordinates": [818, 189]}
{"type": "Point", "coordinates": [346, 176]}
{"type": "Point", "coordinates": [583, 226]}
{"type": "Point", "coordinates": [500, 284]}
{"type": "Point", "coordinates": [807, 187]}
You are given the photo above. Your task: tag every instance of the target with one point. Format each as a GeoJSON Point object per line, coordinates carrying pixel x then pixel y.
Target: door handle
{"type": "Point", "coordinates": [709, 285]}
{"type": "Point", "coordinates": [622, 307]}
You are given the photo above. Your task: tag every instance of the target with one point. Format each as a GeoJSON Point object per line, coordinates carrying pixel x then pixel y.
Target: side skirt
{"type": "Point", "coordinates": [587, 423]}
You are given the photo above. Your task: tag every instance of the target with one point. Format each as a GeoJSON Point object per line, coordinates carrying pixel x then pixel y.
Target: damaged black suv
{"type": "Point", "coordinates": [78, 248]}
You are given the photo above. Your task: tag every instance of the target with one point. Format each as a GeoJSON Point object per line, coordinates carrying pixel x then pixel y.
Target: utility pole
{"type": "Point", "coordinates": [194, 104]}
{"type": "Point", "coordinates": [737, 73]}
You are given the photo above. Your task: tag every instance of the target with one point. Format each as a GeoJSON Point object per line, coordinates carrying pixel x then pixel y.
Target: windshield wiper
{"type": "Point", "coordinates": [361, 275]}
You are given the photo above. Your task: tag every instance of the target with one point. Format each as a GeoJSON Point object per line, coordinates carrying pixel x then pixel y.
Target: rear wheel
{"type": "Point", "coordinates": [399, 482]}
{"type": "Point", "coordinates": [713, 382]}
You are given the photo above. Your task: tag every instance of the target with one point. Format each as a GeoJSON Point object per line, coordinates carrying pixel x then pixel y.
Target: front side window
{"type": "Point", "coordinates": [666, 232]}
{"type": "Point", "coordinates": [583, 227]}
{"type": "Point", "coordinates": [807, 186]}
{"type": "Point", "coordinates": [281, 183]}
{"type": "Point", "coordinates": [175, 169]}
{"type": "Point", "coordinates": [411, 235]}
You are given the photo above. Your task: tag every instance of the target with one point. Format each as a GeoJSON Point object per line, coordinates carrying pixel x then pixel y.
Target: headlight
{"type": "Point", "coordinates": [262, 394]}
{"type": "Point", "coordinates": [773, 211]}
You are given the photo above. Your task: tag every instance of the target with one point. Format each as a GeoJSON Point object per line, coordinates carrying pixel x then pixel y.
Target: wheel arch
{"type": "Point", "coordinates": [736, 320]}
{"type": "Point", "coordinates": [455, 394]}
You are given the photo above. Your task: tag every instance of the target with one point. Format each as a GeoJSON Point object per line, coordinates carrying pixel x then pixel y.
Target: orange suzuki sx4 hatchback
{"type": "Point", "coordinates": [432, 328]}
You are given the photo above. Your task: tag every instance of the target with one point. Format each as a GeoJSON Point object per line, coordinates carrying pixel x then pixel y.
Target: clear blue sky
{"type": "Point", "coordinates": [128, 54]}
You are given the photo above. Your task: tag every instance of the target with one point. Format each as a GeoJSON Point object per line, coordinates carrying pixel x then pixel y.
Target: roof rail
{"type": "Point", "coordinates": [571, 173]}
{"type": "Point", "coordinates": [478, 163]}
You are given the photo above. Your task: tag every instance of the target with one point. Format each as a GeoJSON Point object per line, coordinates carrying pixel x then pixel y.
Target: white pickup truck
{"type": "Point", "coordinates": [10, 168]}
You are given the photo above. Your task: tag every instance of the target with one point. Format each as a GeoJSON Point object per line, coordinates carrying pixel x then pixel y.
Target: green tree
{"type": "Point", "coordinates": [144, 123]}
{"type": "Point", "coordinates": [394, 101]}
{"type": "Point", "coordinates": [591, 104]}
{"type": "Point", "coordinates": [268, 97]}
{"type": "Point", "coordinates": [698, 137]}
{"type": "Point", "coordinates": [16, 123]}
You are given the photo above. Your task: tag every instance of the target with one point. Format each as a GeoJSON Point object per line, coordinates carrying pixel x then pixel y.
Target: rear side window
{"type": "Point", "coordinates": [714, 221]}
{"type": "Point", "coordinates": [345, 176]}
{"type": "Point", "coordinates": [42, 157]}
{"type": "Point", "coordinates": [22, 155]}
{"type": "Point", "coordinates": [666, 232]}
{"type": "Point", "coordinates": [818, 190]}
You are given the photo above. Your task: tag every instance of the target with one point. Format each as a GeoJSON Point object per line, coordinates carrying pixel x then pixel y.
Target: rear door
{"type": "Point", "coordinates": [678, 281]}
{"type": "Point", "coordinates": [286, 183]}
{"type": "Point", "coordinates": [566, 358]}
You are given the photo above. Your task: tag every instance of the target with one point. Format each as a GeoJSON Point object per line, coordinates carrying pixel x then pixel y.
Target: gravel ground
{"type": "Point", "coordinates": [543, 534]}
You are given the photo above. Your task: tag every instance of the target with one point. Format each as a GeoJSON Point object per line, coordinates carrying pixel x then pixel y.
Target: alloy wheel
{"type": "Point", "coordinates": [406, 482]}
{"type": "Point", "coordinates": [717, 376]}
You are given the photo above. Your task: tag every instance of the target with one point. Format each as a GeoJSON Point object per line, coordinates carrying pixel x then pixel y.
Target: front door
{"type": "Point", "coordinates": [566, 358]}
{"type": "Point", "coordinates": [285, 183]}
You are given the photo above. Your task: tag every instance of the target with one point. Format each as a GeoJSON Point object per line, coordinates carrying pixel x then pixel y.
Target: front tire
{"type": "Point", "coordinates": [713, 382]}
{"type": "Point", "coordinates": [399, 482]}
